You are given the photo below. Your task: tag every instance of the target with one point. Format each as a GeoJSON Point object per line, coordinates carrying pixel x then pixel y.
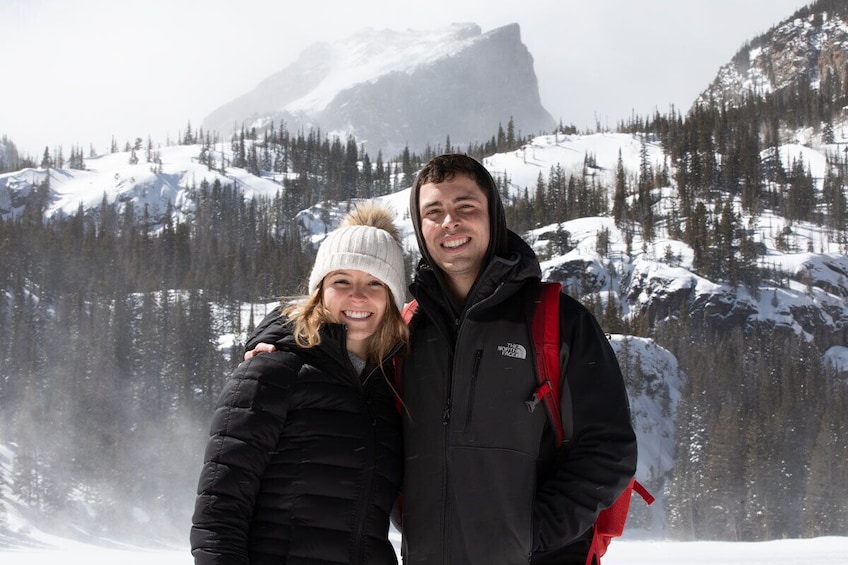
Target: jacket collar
{"type": "Point", "coordinates": [508, 272]}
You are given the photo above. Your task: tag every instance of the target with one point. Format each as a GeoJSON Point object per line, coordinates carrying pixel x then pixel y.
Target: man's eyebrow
{"type": "Point", "coordinates": [459, 198]}
{"type": "Point", "coordinates": [470, 195]}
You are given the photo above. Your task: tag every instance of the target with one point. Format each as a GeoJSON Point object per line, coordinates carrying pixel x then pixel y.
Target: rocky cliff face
{"type": "Point", "coordinates": [808, 46]}
{"type": "Point", "coordinates": [394, 89]}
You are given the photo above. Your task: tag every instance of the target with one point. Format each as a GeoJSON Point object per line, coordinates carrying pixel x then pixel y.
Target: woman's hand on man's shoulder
{"type": "Point", "coordinates": [260, 348]}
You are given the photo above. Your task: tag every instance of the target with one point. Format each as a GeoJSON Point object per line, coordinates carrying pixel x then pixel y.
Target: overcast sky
{"type": "Point", "coordinates": [77, 72]}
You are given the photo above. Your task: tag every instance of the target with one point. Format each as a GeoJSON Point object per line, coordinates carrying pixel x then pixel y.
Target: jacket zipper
{"type": "Point", "coordinates": [369, 487]}
{"type": "Point", "coordinates": [369, 484]}
{"type": "Point", "coordinates": [446, 416]}
{"type": "Point", "coordinates": [363, 510]}
{"type": "Point", "coordinates": [446, 500]}
{"type": "Point", "coordinates": [446, 421]}
{"type": "Point", "coordinates": [478, 355]}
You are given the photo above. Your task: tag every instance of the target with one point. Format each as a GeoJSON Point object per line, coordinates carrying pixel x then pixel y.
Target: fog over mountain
{"type": "Point", "coordinates": [397, 88]}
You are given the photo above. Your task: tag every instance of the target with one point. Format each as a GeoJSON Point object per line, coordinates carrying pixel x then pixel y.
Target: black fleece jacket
{"type": "Point", "coordinates": [484, 481]}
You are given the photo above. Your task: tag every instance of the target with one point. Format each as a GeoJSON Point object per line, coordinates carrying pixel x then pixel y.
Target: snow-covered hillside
{"type": "Point", "coordinates": [811, 258]}
{"type": "Point", "coordinates": [114, 178]}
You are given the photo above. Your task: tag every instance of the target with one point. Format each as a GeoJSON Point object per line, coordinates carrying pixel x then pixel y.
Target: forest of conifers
{"type": "Point", "coordinates": [109, 322]}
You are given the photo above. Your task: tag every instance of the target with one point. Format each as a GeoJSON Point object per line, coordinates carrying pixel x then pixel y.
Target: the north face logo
{"type": "Point", "coordinates": [513, 350]}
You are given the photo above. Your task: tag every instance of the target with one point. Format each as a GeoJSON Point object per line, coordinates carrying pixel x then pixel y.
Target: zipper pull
{"type": "Point", "coordinates": [446, 413]}
{"type": "Point", "coordinates": [531, 404]}
{"type": "Point", "coordinates": [544, 389]}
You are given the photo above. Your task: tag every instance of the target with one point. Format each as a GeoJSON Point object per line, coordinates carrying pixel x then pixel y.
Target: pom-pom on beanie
{"type": "Point", "coordinates": [367, 240]}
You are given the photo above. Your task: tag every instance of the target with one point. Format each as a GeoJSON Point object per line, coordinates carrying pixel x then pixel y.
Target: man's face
{"type": "Point", "coordinates": [455, 227]}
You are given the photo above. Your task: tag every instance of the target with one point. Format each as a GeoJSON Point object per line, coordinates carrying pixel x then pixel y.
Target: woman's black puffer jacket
{"type": "Point", "coordinates": [304, 461]}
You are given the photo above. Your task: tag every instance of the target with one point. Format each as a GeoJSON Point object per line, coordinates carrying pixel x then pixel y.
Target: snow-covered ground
{"type": "Point", "coordinates": [821, 551]}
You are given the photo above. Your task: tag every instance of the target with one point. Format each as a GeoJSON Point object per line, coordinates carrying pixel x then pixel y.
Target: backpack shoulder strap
{"type": "Point", "coordinates": [409, 310]}
{"type": "Point", "coordinates": [546, 344]}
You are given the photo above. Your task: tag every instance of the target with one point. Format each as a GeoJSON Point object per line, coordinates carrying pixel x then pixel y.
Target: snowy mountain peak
{"type": "Point", "coordinates": [393, 89]}
{"type": "Point", "coordinates": [370, 54]}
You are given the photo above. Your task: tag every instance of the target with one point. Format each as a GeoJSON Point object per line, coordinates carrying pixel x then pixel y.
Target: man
{"type": "Point", "coordinates": [484, 481]}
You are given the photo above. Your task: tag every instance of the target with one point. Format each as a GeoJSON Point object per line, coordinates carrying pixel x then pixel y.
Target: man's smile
{"type": "Point", "coordinates": [453, 243]}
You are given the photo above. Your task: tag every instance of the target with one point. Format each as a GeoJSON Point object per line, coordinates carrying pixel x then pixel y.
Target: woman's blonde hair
{"type": "Point", "coordinates": [309, 315]}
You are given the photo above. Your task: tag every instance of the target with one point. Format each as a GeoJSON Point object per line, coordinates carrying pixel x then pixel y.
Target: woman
{"type": "Point", "coordinates": [305, 461]}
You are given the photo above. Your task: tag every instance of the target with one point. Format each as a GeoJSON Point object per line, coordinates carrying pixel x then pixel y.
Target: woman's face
{"type": "Point", "coordinates": [359, 301]}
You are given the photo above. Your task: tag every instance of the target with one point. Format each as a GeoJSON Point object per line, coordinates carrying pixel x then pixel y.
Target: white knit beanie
{"type": "Point", "coordinates": [367, 248]}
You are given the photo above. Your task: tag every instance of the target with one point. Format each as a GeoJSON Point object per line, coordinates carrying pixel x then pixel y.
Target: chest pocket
{"type": "Point", "coordinates": [493, 377]}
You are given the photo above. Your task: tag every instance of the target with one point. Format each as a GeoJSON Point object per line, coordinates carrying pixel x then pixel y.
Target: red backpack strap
{"type": "Point", "coordinates": [546, 344]}
{"type": "Point", "coordinates": [409, 310]}
{"type": "Point", "coordinates": [643, 492]}
{"type": "Point", "coordinates": [610, 522]}
{"type": "Point", "coordinates": [545, 334]}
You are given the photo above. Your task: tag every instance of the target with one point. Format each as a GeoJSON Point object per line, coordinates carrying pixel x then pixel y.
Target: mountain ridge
{"type": "Point", "coordinates": [806, 46]}
{"type": "Point", "coordinates": [396, 89]}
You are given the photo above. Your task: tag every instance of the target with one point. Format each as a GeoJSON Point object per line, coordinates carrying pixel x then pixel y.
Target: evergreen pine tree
{"type": "Point", "coordinates": [46, 161]}
{"type": "Point", "coordinates": [619, 200]}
